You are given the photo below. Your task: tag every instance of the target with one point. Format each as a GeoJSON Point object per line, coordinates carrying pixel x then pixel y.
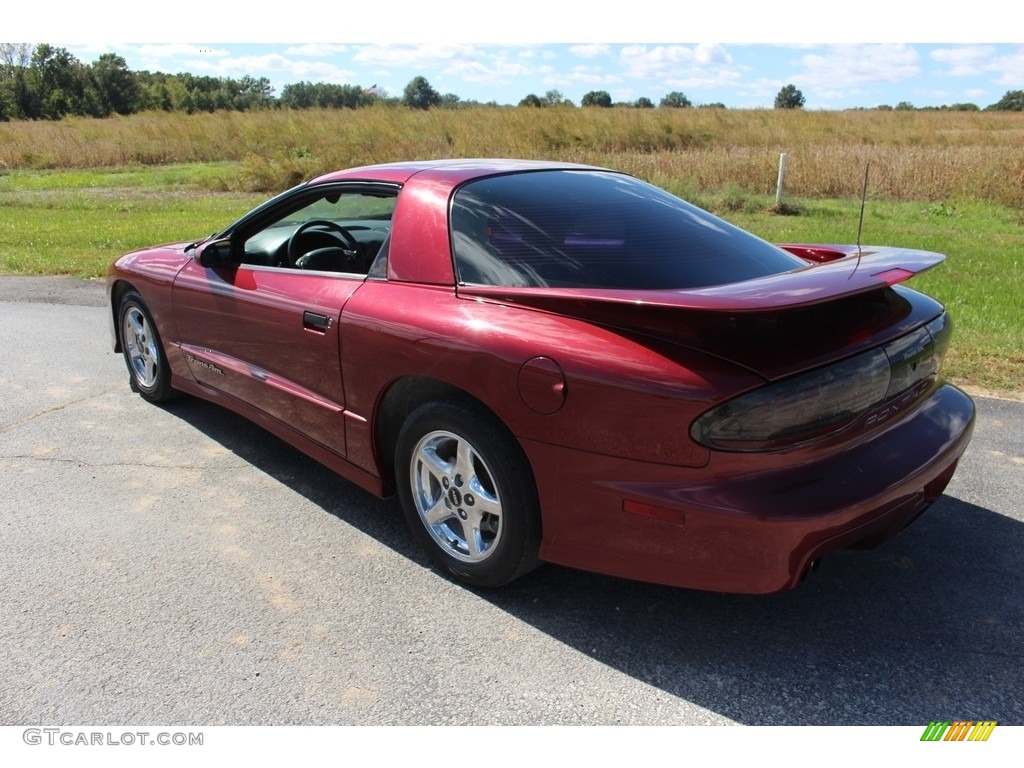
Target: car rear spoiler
{"type": "Point", "coordinates": [838, 271]}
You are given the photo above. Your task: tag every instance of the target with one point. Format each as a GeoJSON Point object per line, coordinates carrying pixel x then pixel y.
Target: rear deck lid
{"type": "Point", "coordinates": [775, 325]}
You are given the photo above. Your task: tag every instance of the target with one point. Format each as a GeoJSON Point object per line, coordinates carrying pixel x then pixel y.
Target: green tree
{"type": "Point", "coordinates": [298, 95]}
{"type": "Point", "coordinates": [419, 94]}
{"type": "Point", "coordinates": [531, 100]}
{"type": "Point", "coordinates": [643, 103]}
{"type": "Point", "coordinates": [789, 97]}
{"type": "Point", "coordinates": [57, 81]}
{"type": "Point", "coordinates": [252, 93]}
{"type": "Point", "coordinates": [153, 90]}
{"type": "Point", "coordinates": [307, 95]}
{"type": "Point", "coordinates": [904, 106]}
{"type": "Point", "coordinates": [1012, 101]}
{"type": "Point", "coordinates": [117, 87]}
{"type": "Point", "coordinates": [180, 96]}
{"type": "Point", "coordinates": [596, 99]}
{"type": "Point", "coordinates": [675, 100]}
{"type": "Point", "coordinates": [14, 88]}
{"type": "Point", "coordinates": [555, 98]}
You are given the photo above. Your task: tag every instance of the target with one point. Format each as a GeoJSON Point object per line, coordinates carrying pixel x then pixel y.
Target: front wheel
{"type": "Point", "coordinates": [468, 493]}
{"type": "Point", "coordinates": [149, 373]}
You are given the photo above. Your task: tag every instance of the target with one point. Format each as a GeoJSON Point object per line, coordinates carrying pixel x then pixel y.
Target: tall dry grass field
{"type": "Point", "coordinates": [76, 194]}
{"type": "Point", "coordinates": [914, 155]}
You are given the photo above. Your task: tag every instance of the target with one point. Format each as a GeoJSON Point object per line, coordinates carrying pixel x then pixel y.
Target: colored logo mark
{"type": "Point", "coordinates": [959, 730]}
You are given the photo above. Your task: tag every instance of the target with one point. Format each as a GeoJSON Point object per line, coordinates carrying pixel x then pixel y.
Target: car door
{"type": "Point", "coordinates": [265, 330]}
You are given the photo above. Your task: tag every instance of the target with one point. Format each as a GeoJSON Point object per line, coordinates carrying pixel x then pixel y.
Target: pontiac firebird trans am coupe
{"type": "Point", "coordinates": [554, 362]}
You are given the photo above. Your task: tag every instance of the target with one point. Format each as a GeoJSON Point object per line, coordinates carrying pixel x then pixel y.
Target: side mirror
{"type": "Point", "coordinates": [218, 253]}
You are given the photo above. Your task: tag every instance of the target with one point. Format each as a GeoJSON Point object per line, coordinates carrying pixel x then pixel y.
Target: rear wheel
{"type": "Point", "coordinates": [468, 494]}
{"type": "Point", "coordinates": [148, 371]}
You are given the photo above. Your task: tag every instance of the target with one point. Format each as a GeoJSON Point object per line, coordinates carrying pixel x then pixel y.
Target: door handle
{"type": "Point", "coordinates": [316, 322]}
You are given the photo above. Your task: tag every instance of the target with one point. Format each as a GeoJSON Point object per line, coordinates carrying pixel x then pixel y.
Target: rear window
{"type": "Point", "coordinates": [596, 229]}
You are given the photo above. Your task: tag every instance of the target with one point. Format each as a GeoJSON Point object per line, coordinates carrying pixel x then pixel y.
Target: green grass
{"type": "Point", "coordinates": [76, 222]}
{"type": "Point", "coordinates": [981, 282]}
{"type": "Point", "coordinates": [211, 177]}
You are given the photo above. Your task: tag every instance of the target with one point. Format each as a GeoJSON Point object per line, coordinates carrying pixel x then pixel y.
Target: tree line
{"type": "Point", "coordinates": [46, 82]}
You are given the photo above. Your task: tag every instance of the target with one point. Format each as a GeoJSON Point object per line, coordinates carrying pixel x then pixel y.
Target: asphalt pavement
{"type": "Point", "coordinates": [179, 565]}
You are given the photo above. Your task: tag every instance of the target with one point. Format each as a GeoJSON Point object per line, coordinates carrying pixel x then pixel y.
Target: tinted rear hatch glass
{"type": "Point", "coordinates": [593, 229]}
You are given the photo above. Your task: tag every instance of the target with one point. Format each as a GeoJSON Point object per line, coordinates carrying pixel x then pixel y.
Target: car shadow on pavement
{"type": "Point", "coordinates": [927, 627]}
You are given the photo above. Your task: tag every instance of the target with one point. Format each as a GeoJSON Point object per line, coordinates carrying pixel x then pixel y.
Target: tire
{"type": "Point", "coordinates": [148, 371]}
{"type": "Point", "coordinates": [468, 494]}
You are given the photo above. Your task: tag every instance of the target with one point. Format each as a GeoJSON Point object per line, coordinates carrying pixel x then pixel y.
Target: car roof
{"type": "Point", "coordinates": [455, 170]}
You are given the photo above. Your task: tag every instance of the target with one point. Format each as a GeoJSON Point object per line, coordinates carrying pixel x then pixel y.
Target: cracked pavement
{"type": "Point", "coordinates": [178, 565]}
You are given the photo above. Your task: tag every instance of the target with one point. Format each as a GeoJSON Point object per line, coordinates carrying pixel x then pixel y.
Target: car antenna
{"type": "Point", "coordinates": [860, 223]}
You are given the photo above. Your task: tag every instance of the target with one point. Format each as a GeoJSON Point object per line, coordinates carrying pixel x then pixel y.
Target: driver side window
{"type": "Point", "coordinates": [338, 231]}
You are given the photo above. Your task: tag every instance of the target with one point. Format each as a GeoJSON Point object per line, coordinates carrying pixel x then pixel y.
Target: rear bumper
{"type": "Point", "coordinates": [753, 531]}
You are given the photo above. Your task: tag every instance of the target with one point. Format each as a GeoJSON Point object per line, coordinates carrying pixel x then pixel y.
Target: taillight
{"type": "Point", "coordinates": [820, 403]}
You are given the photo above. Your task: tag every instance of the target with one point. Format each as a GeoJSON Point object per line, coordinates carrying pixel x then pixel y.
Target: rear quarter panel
{"type": "Point", "coordinates": [622, 395]}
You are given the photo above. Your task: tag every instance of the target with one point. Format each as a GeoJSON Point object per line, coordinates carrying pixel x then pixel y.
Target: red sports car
{"type": "Point", "coordinates": [554, 362]}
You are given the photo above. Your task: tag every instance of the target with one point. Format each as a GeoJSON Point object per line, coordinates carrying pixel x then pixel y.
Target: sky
{"type": "Point", "coordinates": [861, 55]}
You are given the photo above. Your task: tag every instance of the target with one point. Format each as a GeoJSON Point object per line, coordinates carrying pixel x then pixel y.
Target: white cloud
{"type": "Point", "coordinates": [680, 66]}
{"type": "Point", "coordinates": [1011, 69]}
{"type": "Point", "coordinates": [316, 49]}
{"type": "Point", "coordinates": [429, 56]}
{"type": "Point", "coordinates": [585, 77]}
{"type": "Point", "coordinates": [164, 51]}
{"type": "Point", "coordinates": [88, 51]}
{"type": "Point", "coordinates": [589, 51]}
{"type": "Point", "coordinates": [278, 68]}
{"type": "Point", "coordinates": [712, 53]}
{"type": "Point", "coordinates": [723, 79]}
{"type": "Point", "coordinates": [964, 60]}
{"type": "Point", "coordinates": [983, 60]}
{"type": "Point", "coordinates": [758, 93]}
{"type": "Point", "coordinates": [495, 70]}
{"type": "Point", "coordinates": [162, 57]}
{"type": "Point", "coordinates": [494, 65]}
{"type": "Point", "coordinates": [842, 66]}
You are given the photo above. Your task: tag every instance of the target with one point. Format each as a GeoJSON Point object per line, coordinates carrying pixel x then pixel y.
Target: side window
{"type": "Point", "coordinates": [335, 231]}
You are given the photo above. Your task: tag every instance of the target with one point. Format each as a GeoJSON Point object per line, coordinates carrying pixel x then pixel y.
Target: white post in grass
{"type": "Point", "coordinates": [782, 178]}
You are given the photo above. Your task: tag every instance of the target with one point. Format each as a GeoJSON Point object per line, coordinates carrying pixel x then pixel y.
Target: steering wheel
{"type": "Point", "coordinates": [345, 235]}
